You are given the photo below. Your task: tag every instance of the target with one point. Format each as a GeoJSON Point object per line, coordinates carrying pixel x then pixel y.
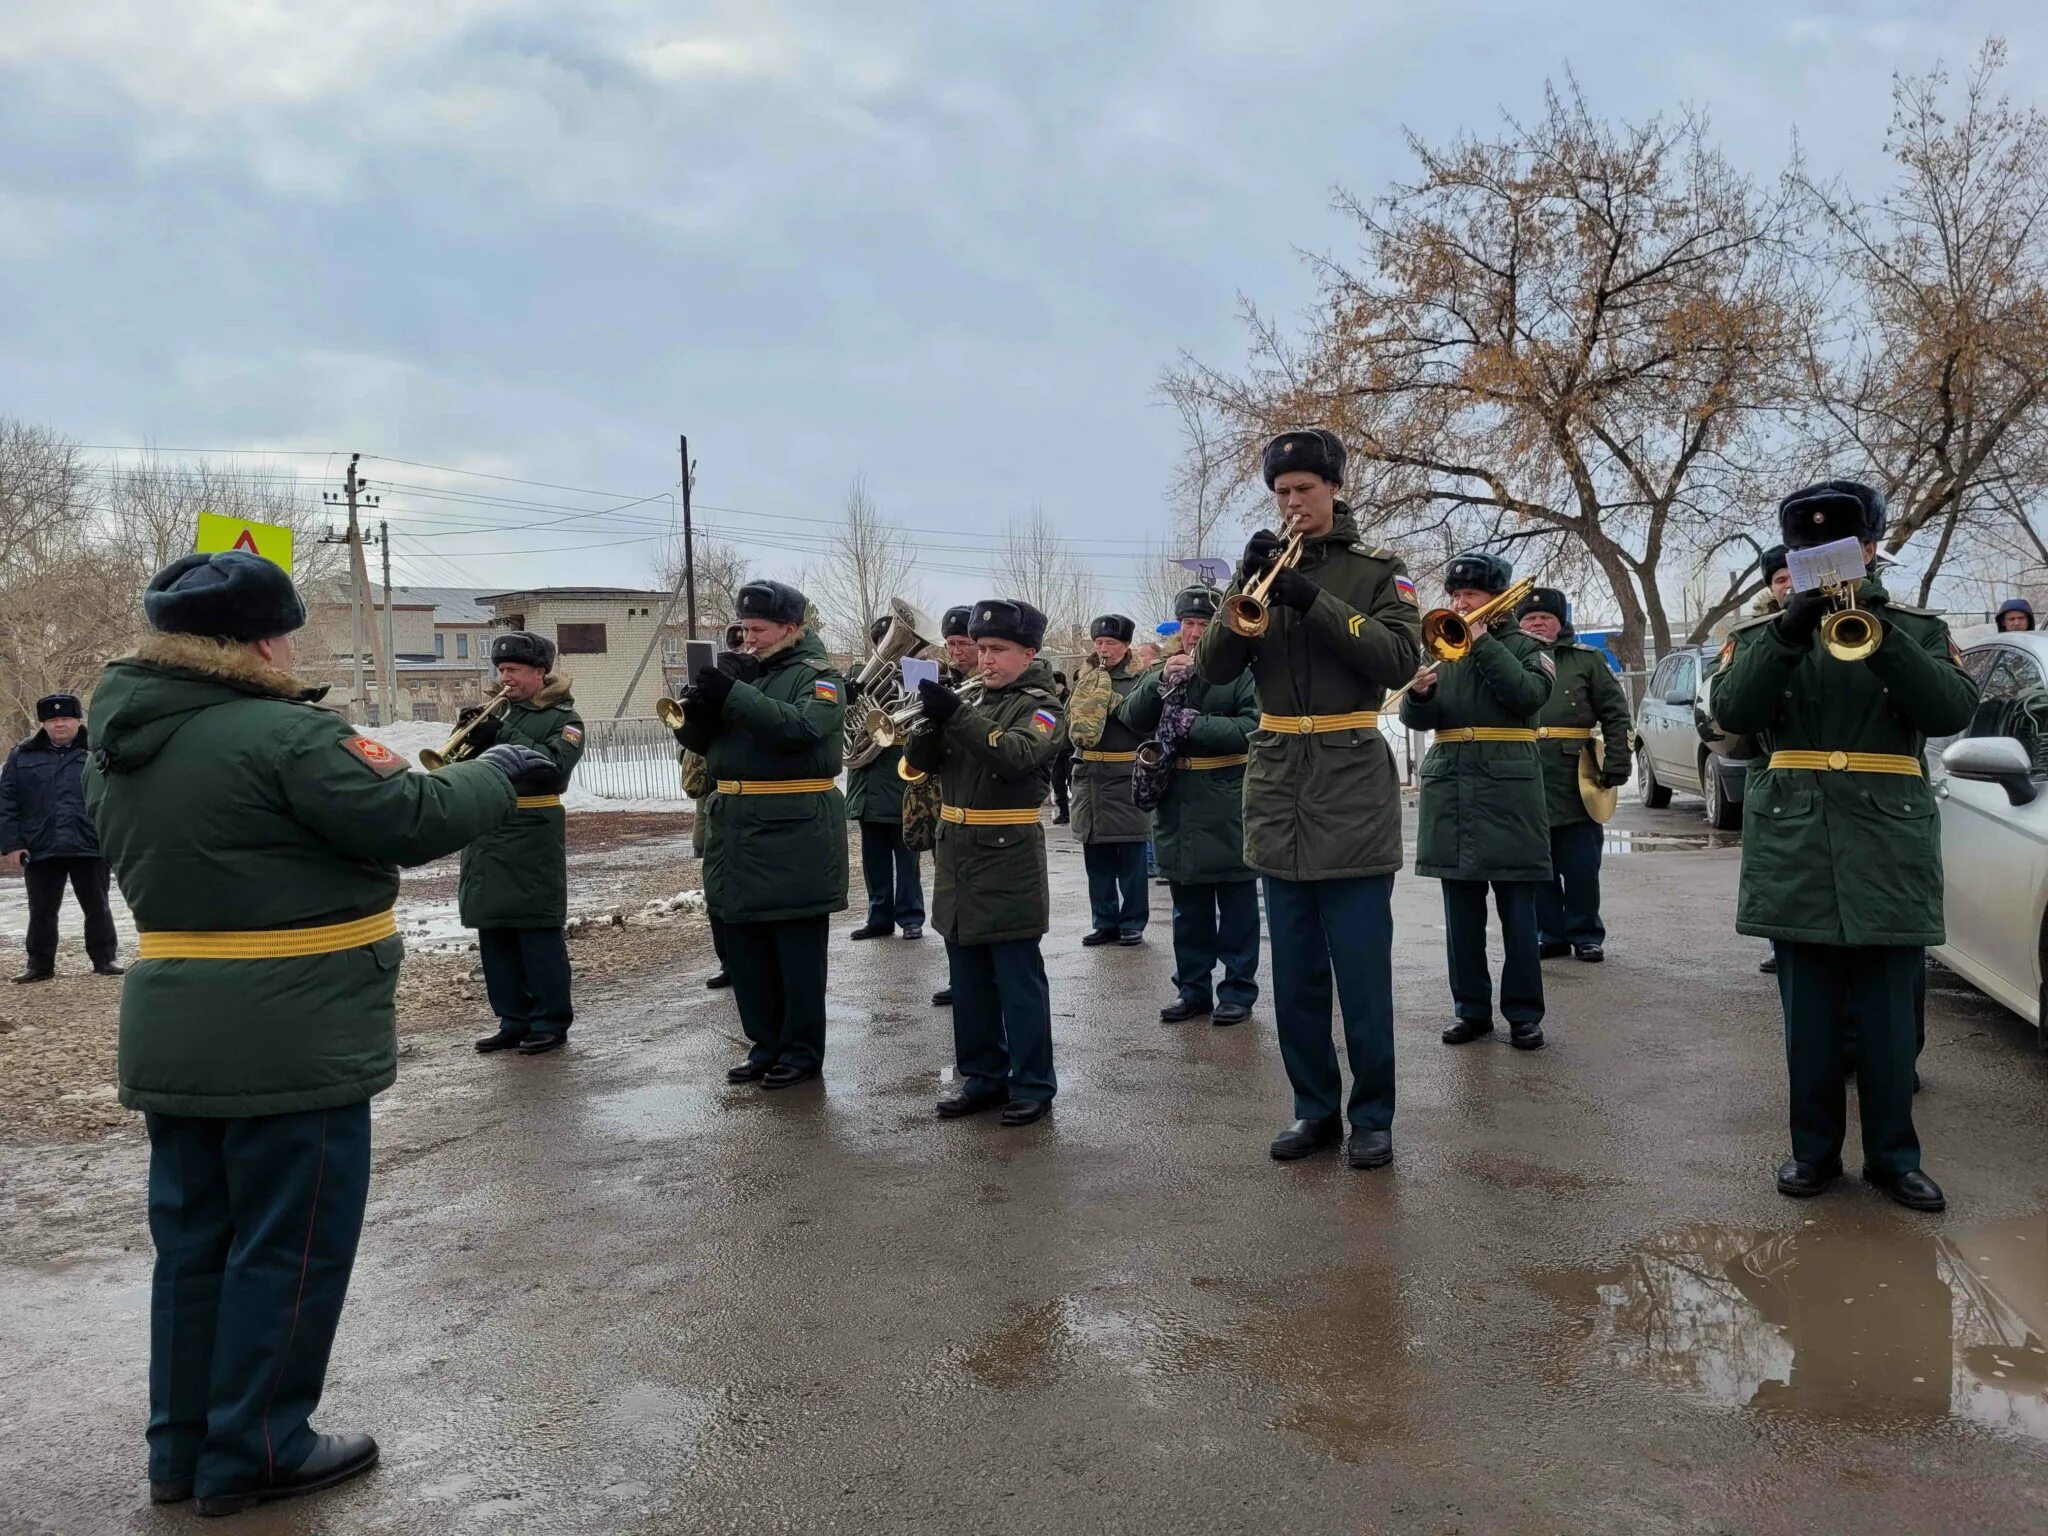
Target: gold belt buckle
{"type": "Point", "coordinates": [1308, 725]}
{"type": "Point", "coordinates": [1838, 760]}
{"type": "Point", "coordinates": [1543, 733]}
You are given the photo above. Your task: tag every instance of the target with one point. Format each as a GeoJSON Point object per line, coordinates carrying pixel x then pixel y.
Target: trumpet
{"type": "Point", "coordinates": [886, 728]}
{"type": "Point", "coordinates": [669, 712]}
{"type": "Point", "coordinates": [1849, 633]}
{"type": "Point", "coordinates": [1249, 612]}
{"type": "Point", "coordinates": [1447, 634]}
{"type": "Point", "coordinates": [457, 747]}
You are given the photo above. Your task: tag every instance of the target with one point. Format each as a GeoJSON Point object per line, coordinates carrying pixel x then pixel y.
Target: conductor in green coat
{"type": "Point", "coordinates": [1198, 826]}
{"type": "Point", "coordinates": [1841, 843]}
{"type": "Point", "coordinates": [514, 888]}
{"type": "Point", "coordinates": [1586, 701]}
{"type": "Point", "coordinates": [257, 839]}
{"type": "Point", "coordinates": [1483, 822]}
{"type": "Point", "coordinates": [775, 862]}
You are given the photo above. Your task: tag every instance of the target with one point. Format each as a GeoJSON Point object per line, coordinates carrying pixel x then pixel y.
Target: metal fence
{"type": "Point", "coordinates": [629, 759]}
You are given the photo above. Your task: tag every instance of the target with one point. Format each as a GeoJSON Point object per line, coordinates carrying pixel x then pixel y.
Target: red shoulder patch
{"type": "Point", "coordinates": [1727, 650]}
{"type": "Point", "coordinates": [378, 756]}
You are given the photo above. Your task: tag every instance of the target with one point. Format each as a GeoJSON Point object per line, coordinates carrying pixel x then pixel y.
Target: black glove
{"type": "Point", "coordinates": [1800, 621]}
{"type": "Point", "coordinates": [522, 765]}
{"type": "Point", "coordinates": [712, 686]}
{"type": "Point", "coordinates": [938, 701]}
{"type": "Point", "coordinates": [485, 732]}
{"type": "Point", "coordinates": [1293, 590]}
{"type": "Point", "coordinates": [853, 695]}
{"type": "Point", "coordinates": [1259, 553]}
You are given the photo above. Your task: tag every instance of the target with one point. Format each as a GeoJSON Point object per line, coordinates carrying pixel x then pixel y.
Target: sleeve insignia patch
{"type": "Point", "coordinates": [374, 753]}
{"type": "Point", "coordinates": [1406, 588]}
{"type": "Point", "coordinates": [1044, 721]}
{"type": "Point", "coordinates": [1547, 662]}
{"type": "Point", "coordinates": [1728, 650]}
{"type": "Point", "coordinates": [573, 734]}
{"type": "Point", "coordinates": [824, 688]}
{"type": "Point", "coordinates": [995, 736]}
{"type": "Point", "coordinates": [1356, 624]}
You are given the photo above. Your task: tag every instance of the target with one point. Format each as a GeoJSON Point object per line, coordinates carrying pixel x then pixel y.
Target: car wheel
{"type": "Point", "coordinates": [1723, 814]}
{"type": "Point", "coordinates": [1656, 796]}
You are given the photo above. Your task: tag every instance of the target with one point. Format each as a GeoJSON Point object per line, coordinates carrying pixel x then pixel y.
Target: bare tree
{"type": "Point", "coordinates": [866, 562]}
{"type": "Point", "coordinates": [1573, 333]}
{"type": "Point", "coordinates": [56, 597]}
{"type": "Point", "coordinates": [45, 497]}
{"type": "Point", "coordinates": [721, 571]}
{"type": "Point", "coordinates": [1933, 380]}
{"type": "Point", "coordinates": [1037, 564]}
{"type": "Point", "coordinates": [150, 511]}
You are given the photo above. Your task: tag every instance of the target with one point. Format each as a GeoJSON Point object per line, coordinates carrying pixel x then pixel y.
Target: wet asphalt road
{"type": "Point", "coordinates": [604, 1292]}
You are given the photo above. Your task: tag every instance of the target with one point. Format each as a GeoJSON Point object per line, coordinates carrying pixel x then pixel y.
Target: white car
{"type": "Point", "coordinates": [1992, 784]}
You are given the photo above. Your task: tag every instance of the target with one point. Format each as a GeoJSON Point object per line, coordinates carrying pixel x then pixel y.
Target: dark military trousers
{"type": "Point", "coordinates": [778, 984]}
{"type": "Point", "coordinates": [1002, 1019]}
{"type": "Point", "coordinates": [45, 879]}
{"type": "Point", "coordinates": [1568, 908]}
{"type": "Point", "coordinates": [1062, 780]}
{"type": "Point", "coordinates": [527, 979]}
{"type": "Point", "coordinates": [1828, 992]}
{"type": "Point", "coordinates": [255, 1223]}
{"type": "Point", "coordinates": [1119, 894]}
{"type": "Point", "coordinates": [1322, 930]}
{"type": "Point", "coordinates": [718, 940]}
{"type": "Point", "coordinates": [889, 866]}
{"type": "Point", "coordinates": [1215, 921]}
{"type": "Point", "coordinates": [1521, 971]}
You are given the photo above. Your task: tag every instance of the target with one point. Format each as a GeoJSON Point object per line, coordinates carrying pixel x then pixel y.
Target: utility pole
{"type": "Point", "coordinates": [352, 488]}
{"type": "Point", "coordinates": [390, 652]}
{"type": "Point", "coordinates": [686, 589]}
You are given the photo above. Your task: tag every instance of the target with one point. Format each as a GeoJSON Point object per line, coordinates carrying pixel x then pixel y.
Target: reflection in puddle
{"type": "Point", "coordinates": [1668, 842]}
{"type": "Point", "coordinates": [1844, 1326]}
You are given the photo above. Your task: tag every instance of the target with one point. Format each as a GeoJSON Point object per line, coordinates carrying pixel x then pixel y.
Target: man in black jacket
{"type": "Point", "coordinates": [46, 834]}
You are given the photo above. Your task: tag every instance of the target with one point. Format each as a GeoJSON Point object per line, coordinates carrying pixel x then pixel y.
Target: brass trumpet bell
{"type": "Point", "coordinates": [1249, 612]}
{"type": "Point", "coordinates": [1849, 633]}
{"type": "Point", "coordinates": [1447, 634]}
{"type": "Point", "coordinates": [669, 712]}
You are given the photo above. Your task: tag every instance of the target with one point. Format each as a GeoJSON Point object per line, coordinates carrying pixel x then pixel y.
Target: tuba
{"type": "Point", "coordinates": [893, 708]}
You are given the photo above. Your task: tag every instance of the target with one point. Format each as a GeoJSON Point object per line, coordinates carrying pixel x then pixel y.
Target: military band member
{"type": "Point", "coordinates": [257, 839]}
{"type": "Point", "coordinates": [1482, 815]}
{"type": "Point", "coordinates": [874, 798]}
{"type": "Point", "coordinates": [775, 861]}
{"type": "Point", "coordinates": [515, 883]}
{"type": "Point", "coordinates": [1322, 802]}
{"type": "Point", "coordinates": [1199, 826]}
{"type": "Point", "coordinates": [1585, 695]}
{"type": "Point", "coordinates": [2015, 616]}
{"type": "Point", "coordinates": [1063, 765]}
{"type": "Point", "coordinates": [1841, 857]}
{"type": "Point", "coordinates": [962, 662]}
{"type": "Point", "coordinates": [1777, 580]}
{"type": "Point", "coordinates": [993, 757]}
{"type": "Point", "coordinates": [1112, 830]}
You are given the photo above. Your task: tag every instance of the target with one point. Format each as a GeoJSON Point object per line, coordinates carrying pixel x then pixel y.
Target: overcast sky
{"type": "Point", "coordinates": [948, 247]}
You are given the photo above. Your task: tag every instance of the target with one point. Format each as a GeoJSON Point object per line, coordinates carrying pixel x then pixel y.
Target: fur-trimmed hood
{"type": "Point", "coordinates": [554, 689]}
{"type": "Point", "coordinates": [143, 700]}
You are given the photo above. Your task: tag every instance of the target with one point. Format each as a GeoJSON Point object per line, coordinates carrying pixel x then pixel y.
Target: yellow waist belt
{"type": "Point", "coordinates": [1487, 733]}
{"type": "Point", "coordinates": [1316, 725]}
{"type": "Point", "coordinates": [1203, 764]}
{"type": "Point", "coordinates": [1850, 762]}
{"type": "Point", "coordinates": [1012, 818]}
{"type": "Point", "coordinates": [269, 943]}
{"type": "Point", "coordinates": [1564, 733]}
{"type": "Point", "coordinates": [537, 802]}
{"type": "Point", "coordinates": [1108, 757]}
{"type": "Point", "coordinates": [775, 786]}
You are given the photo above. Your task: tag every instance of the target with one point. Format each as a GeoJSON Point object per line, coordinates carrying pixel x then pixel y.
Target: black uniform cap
{"type": "Point", "coordinates": [1112, 626]}
{"type": "Point", "coordinates": [955, 622]}
{"type": "Point", "coordinates": [1008, 618]}
{"type": "Point", "coordinates": [1831, 510]}
{"type": "Point", "coordinates": [59, 706]}
{"type": "Point", "coordinates": [233, 595]}
{"type": "Point", "coordinates": [1196, 603]}
{"type": "Point", "coordinates": [1315, 449]}
{"type": "Point", "coordinates": [775, 601]}
{"type": "Point", "coordinates": [524, 647]}
{"type": "Point", "coordinates": [1772, 561]}
{"type": "Point", "coordinates": [1477, 571]}
{"type": "Point", "coordinates": [1544, 600]}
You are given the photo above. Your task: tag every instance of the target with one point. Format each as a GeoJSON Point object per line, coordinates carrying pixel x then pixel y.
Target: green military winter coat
{"type": "Point", "coordinates": [1104, 811]}
{"type": "Point", "coordinates": [1586, 695]}
{"type": "Point", "coordinates": [770, 857]}
{"type": "Point", "coordinates": [227, 802]}
{"type": "Point", "coordinates": [1325, 806]}
{"type": "Point", "coordinates": [875, 792]}
{"type": "Point", "coordinates": [1482, 815]}
{"type": "Point", "coordinates": [518, 876]}
{"type": "Point", "coordinates": [1198, 829]}
{"type": "Point", "coordinates": [995, 754]}
{"type": "Point", "coordinates": [1836, 857]}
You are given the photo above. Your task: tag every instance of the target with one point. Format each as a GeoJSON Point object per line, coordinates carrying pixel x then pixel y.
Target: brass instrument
{"type": "Point", "coordinates": [908, 721]}
{"type": "Point", "coordinates": [1248, 612]}
{"type": "Point", "coordinates": [880, 682]}
{"type": "Point", "coordinates": [669, 712]}
{"type": "Point", "coordinates": [1422, 675]}
{"type": "Point", "coordinates": [456, 748]}
{"type": "Point", "coordinates": [1447, 634]}
{"type": "Point", "coordinates": [1849, 633]}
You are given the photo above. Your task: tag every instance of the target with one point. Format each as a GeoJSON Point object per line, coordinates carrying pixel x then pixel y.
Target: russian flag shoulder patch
{"type": "Point", "coordinates": [1406, 588]}
{"type": "Point", "coordinates": [824, 688]}
{"type": "Point", "coordinates": [1044, 721]}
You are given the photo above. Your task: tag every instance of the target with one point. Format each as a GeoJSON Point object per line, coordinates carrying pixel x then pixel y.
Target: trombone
{"type": "Point", "coordinates": [1249, 612]}
{"type": "Point", "coordinates": [456, 748]}
{"type": "Point", "coordinates": [1849, 633]}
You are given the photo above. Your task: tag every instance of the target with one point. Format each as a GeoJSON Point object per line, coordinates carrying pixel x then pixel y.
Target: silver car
{"type": "Point", "coordinates": [1992, 784]}
{"type": "Point", "coordinates": [1679, 745]}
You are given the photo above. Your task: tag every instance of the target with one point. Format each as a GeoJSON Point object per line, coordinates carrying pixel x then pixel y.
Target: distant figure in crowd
{"type": "Point", "coordinates": [2015, 614]}
{"type": "Point", "coordinates": [257, 839]}
{"type": "Point", "coordinates": [46, 834]}
{"type": "Point", "coordinates": [888, 866]}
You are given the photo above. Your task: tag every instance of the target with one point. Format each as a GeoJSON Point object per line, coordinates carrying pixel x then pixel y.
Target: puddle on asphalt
{"type": "Point", "coordinates": [1842, 1326]}
{"type": "Point", "coordinates": [1668, 842]}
